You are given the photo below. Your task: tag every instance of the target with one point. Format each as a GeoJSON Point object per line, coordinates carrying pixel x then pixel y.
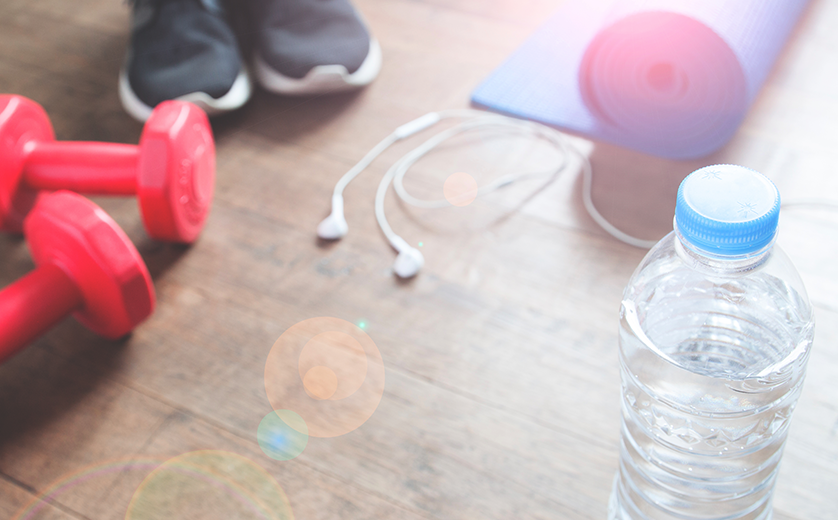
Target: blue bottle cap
{"type": "Point", "coordinates": [727, 210]}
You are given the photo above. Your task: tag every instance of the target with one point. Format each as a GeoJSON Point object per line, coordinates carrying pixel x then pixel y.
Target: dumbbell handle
{"type": "Point", "coordinates": [33, 304]}
{"type": "Point", "coordinates": [84, 167]}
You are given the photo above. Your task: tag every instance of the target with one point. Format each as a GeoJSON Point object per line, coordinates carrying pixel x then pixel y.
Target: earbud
{"type": "Point", "coordinates": [334, 226]}
{"type": "Point", "coordinates": [409, 261]}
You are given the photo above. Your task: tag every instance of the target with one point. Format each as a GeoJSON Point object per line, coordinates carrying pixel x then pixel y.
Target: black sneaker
{"type": "Point", "coordinates": [312, 46]}
{"type": "Point", "coordinates": [182, 49]}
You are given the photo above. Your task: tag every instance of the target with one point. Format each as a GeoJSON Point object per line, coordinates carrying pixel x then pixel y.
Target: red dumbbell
{"type": "Point", "coordinates": [172, 171]}
{"type": "Point", "coordinates": [86, 265]}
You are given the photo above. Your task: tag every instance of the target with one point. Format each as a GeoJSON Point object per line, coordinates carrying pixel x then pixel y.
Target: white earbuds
{"type": "Point", "coordinates": [409, 261]}
{"type": "Point", "coordinates": [334, 226]}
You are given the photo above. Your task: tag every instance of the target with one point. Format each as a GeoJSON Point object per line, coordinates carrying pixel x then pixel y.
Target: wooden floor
{"type": "Point", "coordinates": [502, 385]}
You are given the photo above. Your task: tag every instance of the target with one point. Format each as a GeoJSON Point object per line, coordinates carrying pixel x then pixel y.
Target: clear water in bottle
{"type": "Point", "coordinates": [713, 351]}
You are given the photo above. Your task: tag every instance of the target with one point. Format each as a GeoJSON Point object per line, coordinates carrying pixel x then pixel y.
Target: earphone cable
{"type": "Point", "coordinates": [334, 226]}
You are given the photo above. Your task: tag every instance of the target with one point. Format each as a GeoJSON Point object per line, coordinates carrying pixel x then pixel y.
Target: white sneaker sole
{"type": "Point", "coordinates": [320, 79]}
{"type": "Point", "coordinates": [237, 96]}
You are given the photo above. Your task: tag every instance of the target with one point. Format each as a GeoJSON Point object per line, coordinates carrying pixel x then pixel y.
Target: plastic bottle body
{"type": "Point", "coordinates": [713, 354]}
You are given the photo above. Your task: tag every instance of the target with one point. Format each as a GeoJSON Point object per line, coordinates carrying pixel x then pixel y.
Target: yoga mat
{"type": "Point", "coordinates": [672, 78]}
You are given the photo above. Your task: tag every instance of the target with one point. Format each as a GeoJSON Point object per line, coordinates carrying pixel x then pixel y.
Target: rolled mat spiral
{"type": "Point", "coordinates": [672, 78]}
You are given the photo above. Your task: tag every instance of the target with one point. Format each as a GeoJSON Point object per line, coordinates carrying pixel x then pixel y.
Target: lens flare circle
{"type": "Point", "coordinates": [278, 439]}
{"type": "Point", "coordinates": [76, 482]}
{"type": "Point", "coordinates": [250, 492]}
{"type": "Point", "coordinates": [320, 382]}
{"type": "Point", "coordinates": [460, 189]}
{"type": "Point", "coordinates": [209, 484]}
{"type": "Point", "coordinates": [332, 358]}
{"type": "Point", "coordinates": [329, 372]}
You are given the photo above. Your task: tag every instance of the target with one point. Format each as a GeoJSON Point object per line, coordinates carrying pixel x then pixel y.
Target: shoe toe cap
{"type": "Point", "coordinates": [296, 36]}
{"type": "Point", "coordinates": [184, 51]}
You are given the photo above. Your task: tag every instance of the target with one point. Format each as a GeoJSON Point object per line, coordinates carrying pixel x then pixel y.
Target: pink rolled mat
{"type": "Point", "coordinates": [672, 78]}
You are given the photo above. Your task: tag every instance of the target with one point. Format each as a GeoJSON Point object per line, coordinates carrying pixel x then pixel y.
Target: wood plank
{"type": "Point", "coordinates": [59, 416]}
{"type": "Point", "coordinates": [15, 500]}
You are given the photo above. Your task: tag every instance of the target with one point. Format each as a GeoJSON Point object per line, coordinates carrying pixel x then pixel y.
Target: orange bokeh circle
{"type": "Point", "coordinates": [329, 372]}
{"type": "Point", "coordinates": [337, 355]}
{"type": "Point", "coordinates": [460, 189]}
{"type": "Point", "coordinates": [320, 382]}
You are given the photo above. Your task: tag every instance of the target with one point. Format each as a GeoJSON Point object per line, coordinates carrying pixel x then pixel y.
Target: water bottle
{"type": "Point", "coordinates": [715, 332]}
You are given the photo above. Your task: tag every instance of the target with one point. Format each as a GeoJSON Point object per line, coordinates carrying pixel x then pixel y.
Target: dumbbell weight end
{"type": "Point", "coordinates": [86, 266]}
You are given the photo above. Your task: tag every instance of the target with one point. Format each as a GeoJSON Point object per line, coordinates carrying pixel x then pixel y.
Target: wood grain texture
{"type": "Point", "coordinates": [502, 383]}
